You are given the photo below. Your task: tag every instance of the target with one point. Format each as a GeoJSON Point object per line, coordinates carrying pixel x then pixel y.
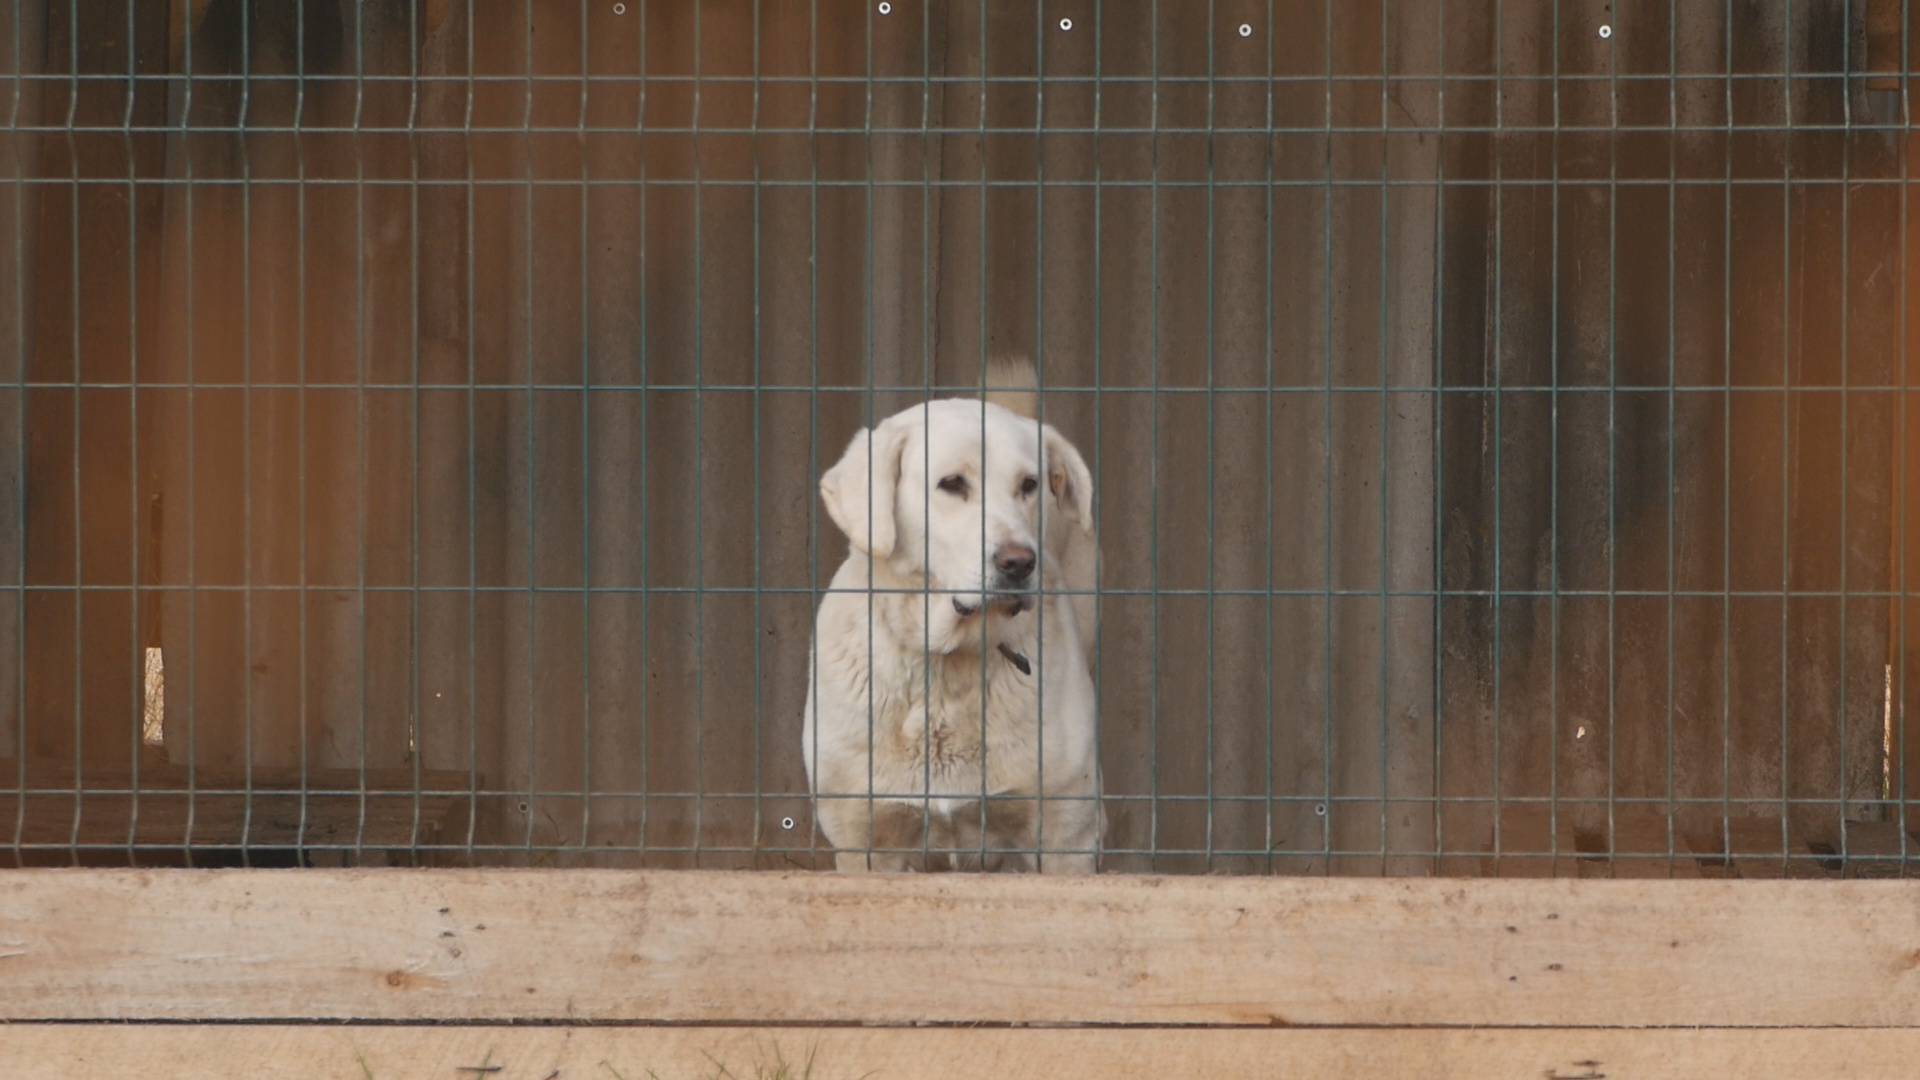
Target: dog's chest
{"type": "Point", "coordinates": [953, 712]}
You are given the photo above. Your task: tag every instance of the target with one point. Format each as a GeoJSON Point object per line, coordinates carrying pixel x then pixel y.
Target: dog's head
{"type": "Point", "coordinates": [956, 491]}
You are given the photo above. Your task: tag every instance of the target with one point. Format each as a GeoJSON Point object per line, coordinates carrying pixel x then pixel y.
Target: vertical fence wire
{"type": "Point", "coordinates": [470, 368]}
{"type": "Point", "coordinates": [531, 803]}
{"type": "Point", "coordinates": [1787, 402]}
{"type": "Point", "coordinates": [1100, 635]}
{"type": "Point", "coordinates": [419, 100]}
{"type": "Point", "coordinates": [1845, 387]}
{"type": "Point", "coordinates": [587, 355]}
{"type": "Point", "coordinates": [700, 472]}
{"type": "Point", "coordinates": [79, 605]}
{"type": "Point", "coordinates": [1386, 414]}
{"type": "Point", "coordinates": [814, 834]}
{"type": "Point", "coordinates": [1554, 580]}
{"type": "Point", "coordinates": [362, 404]}
{"type": "Point", "coordinates": [1327, 809]}
{"type": "Point", "coordinates": [1267, 840]}
{"type": "Point", "coordinates": [303, 377]}
{"type": "Point", "coordinates": [649, 716]}
{"type": "Point", "coordinates": [1436, 377]}
{"type": "Point", "coordinates": [1673, 837]}
{"type": "Point", "coordinates": [1726, 453]}
{"type": "Point", "coordinates": [1496, 286]}
{"type": "Point", "coordinates": [1040, 413]}
{"type": "Point", "coordinates": [759, 377]}
{"type": "Point", "coordinates": [1212, 443]}
{"type": "Point", "coordinates": [1613, 437]}
{"type": "Point", "coordinates": [135, 733]}
{"type": "Point", "coordinates": [1153, 359]}
{"type": "Point", "coordinates": [18, 511]}
{"type": "Point", "coordinates": [1896, 743]}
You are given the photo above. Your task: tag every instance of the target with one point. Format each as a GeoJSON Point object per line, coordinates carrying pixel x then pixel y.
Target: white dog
{"type": "Point", "coordinates": [950, 709]}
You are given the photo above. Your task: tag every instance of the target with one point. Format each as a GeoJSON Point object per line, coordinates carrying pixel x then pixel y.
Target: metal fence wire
{"type": "Point", "coordinates": [414, 415]}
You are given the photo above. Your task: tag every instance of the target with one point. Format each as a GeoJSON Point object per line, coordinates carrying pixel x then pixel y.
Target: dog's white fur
{"type": "Point", "coordinates": [899, 746]}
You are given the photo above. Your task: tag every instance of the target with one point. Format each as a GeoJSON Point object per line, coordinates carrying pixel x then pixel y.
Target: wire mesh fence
{"type": "Point", "coordinates": [415, 412]}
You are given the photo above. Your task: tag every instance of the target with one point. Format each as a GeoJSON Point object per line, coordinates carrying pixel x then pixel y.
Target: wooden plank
{"type": "Point", "coordinates": [559, 1053]}
{"type": "Point", "coordinates": [642, 946]}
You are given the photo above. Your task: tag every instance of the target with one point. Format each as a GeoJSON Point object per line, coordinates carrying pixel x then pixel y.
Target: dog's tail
{"type": "Point", "coordinates": [1012, 384]}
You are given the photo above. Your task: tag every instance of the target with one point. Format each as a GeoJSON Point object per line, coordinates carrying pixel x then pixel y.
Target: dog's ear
{"type": "Point", "coordinates": [859, 489]}
{"type": "Point", "coordinates": [1068, 478]}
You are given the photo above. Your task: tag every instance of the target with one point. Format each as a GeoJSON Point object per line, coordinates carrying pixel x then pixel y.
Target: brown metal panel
{"type": "Point", "coordinates": [22, 44]}
{"type": "Point", "coordinates": [91, 240]}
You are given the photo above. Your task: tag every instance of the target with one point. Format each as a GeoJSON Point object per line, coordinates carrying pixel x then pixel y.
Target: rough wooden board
{"type": "Point", "coordinates": [558, 1053]}
{"type": "Point", "coordinates": [813, 948]}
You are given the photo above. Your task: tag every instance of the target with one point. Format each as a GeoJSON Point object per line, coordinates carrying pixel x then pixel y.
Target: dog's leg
{"type": "Point", "coordinates": [857, 828]}
{"type": "Point", "coordinates": [1070, 862]}
{"type": "Point", "coordinates": [964, 841]}
{"type": "Point", "coordinates": [1011, 840]}
{"type": "Point", "coordinates": [1054, 835]}
{"type": "Point", "coordinates": [1070, 833]}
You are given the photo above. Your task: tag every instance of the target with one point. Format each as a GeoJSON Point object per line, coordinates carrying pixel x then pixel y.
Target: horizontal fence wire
{"type": "Point", "coordinates": [415, 416]}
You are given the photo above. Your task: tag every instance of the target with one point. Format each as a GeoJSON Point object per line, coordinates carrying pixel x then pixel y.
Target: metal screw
{"type": "Point", "coordinates": [1246, 29]}
{"type": "Point", "coordinates": [786, 823]}
{"type": "Point", "coordinates": [1606, 31]}
{"type": "Point", "coordinates": [1066, 24]}
{"type": "Point", "coordinates": [1320, 809]}
{"type": "Point", "coordinates": [886, 9]}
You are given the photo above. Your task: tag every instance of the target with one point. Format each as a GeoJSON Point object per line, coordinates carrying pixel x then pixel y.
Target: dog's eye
{"type": "Point", "coordinates": [954, 485]}
{"type": "Point", "coordinates": [1030, 485]}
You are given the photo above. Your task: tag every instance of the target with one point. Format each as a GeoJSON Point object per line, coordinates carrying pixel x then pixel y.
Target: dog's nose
{"type": "Point", "coordinates": [1014, 561]}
